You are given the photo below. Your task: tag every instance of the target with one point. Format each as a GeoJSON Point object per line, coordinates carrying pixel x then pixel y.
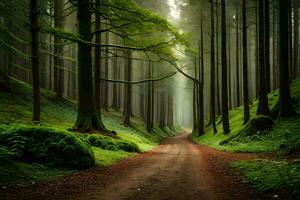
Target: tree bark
{"type": "Point", "coordinates": [286, 107]}
{"type": "Point", "coordinates": [127, 111]}
{"type": "Point", "coordinates": [87, 116]}
{"type": "Point", "coordinates": [58, 49]}
{"type": "Point", "coordinates": [212, 72]}
{"type": "Point", "coordinates": [225, 112]}
{"type": "Point", "coordinates": [35, 57]}
{"type": "Point", "coordinates": [296, 41]}
{"type": "Point", "coordinates": [201, 84]}
{"type": "Point", "coordinates": [238, 95]}
{"type": "Point", "coordinates": [267, 46]}
{"type": "Point", "coordinates": [263, 104]}
{"type": "Point", "coordinates": [245, 64]}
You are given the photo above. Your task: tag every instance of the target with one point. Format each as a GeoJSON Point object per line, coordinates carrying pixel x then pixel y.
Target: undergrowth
{"type": "Point", "coordinates": [285, 132]}
{"type": "Point", "coordinates": [269, 175]}
{"type": "Point", "coordinates": [29, 149]}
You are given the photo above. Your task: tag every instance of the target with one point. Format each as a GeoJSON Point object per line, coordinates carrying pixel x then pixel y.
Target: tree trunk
{"type": "Point", "coordinates": [170, 121]}
{"type": "Point", "coordinates": [225, 112]}
{"type": "Point", "coordinates": [98, 60]}
{"type": "Point", "coordinates": [238, 95]}
{"type": "Point", "coordinates": [87, 116]}
{"type": "Point", "coordinates": [115, 85]}
{"type": "Point", "coordinates": [149, 102]}
{"type": "Point", "coordinates": [263, 104]}
{"type": "Point", "coordinates": [286, 106]}
{"type": "Point", "coordinates": [201, 85]}
{"type": "Point", "coordinates": [127, 111]}
{"type": "Point", "coordinates": [245, 64]}
{"type": "Point", "coordinates": [34, 26]}
{"type": "Point", "coordinates": [106, 87]}
{"type": "Point", "coordinates": [58, 49]}
{"type": "Point", "coordinates": [296, 41]}
{"type": "Point", "coordinates": [267, 46]}
{"type": "Point", "coordinates": [212, 73]}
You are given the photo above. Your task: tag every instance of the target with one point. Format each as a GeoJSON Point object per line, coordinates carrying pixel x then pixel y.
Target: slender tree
{"type": "Point", "coordinates": [245, 64]}
{"type": "Point", "coordinates": [286, 106]}
{"type": "Point", "coordinates": [201, 84]}
{"type": "Point", "coordinates": [127, 106]}
{"type": "Point", "coordinates": [34, 27]}
{"type": "Point", "coordinates": [212, 72]}
{"type": "Point", "coordinates": [267, 46]}
{"type": "Point", "coordinates": [58, 49]}
{"type": "Point", "coordinates": [238, 95]}
{"type": "Point", "coordinates": [225, 112]}
{"type": "Point", "coordinates": [263, 103]}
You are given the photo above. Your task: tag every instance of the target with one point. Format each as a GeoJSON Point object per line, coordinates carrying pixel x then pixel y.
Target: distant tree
{"type": "Point", "coordinates": [286, 106]}
{"type": "Point", "coordinates": [225, 112]}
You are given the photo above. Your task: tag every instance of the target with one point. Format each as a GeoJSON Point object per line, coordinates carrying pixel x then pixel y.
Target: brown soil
{"type": "Point", "coordinates": [176, 170]}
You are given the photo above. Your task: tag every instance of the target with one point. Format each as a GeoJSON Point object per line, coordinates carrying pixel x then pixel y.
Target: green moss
{"type": "Point", "coordinates": [106, 157]}
{"type": "Point", "coordinates": [284, 131]}
{"type": "Point", "coordinates": [271, 175]}
{"type": "Point", "coordinates": [13, 173]}
{"type": "Point", "coordinates": [47, 146]}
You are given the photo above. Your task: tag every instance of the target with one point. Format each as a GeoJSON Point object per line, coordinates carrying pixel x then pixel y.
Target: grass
{"type": "Point", "coordinates": [282, 140]}
{"type": "Point", "coordinates": [285, 131]}
{"type": "Point", "coordinates": [20, 173]}
{"type": "Point", "coordinates": [106, 157]}
{"type": "Point", "coordinates": [57, 116]}
{"type": "Point", "coordinates": [271, 175]}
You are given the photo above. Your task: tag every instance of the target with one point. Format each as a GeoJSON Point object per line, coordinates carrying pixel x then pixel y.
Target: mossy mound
{"type": "Point", "coordinates": [256, 126]}
{"type": "Point", "coordinates": [108, 143]}
{"type": "Point", "coordinates": [47, 146]}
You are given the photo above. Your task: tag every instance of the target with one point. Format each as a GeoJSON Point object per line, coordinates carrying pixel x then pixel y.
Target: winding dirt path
{"type": "Point", "coordinates": [176, 170]}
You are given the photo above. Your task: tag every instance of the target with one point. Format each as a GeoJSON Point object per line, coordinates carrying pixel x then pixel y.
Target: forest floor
{"type": "Point", "coordinates": [177, 169]}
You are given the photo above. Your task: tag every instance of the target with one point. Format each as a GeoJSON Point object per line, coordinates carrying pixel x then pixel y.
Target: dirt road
{"type": "Point", "coordinates": [176, 170]}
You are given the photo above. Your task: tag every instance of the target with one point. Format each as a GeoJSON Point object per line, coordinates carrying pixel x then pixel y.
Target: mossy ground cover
{"type": "Point", "coordinates": [41, 152]}
{"type": "Point", "coordinates": [282, 140]}
{"type": "Point", "coordinates": [285, 131]}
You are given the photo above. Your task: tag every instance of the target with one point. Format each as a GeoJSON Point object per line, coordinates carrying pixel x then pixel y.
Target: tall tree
{"type": "Point", "coordinates": [296, 40]}
{"type": "Point", "coordinates": [245, 64]}
{"type": "Point", "coordinates": [127, 106]}
{"type": "Point", "coordinates": [238, 94]}
{"type": "Point", "coordinates": [87, 116]}
{"type": "Point", "coordinates": [225, 112]}
{"type": "Point", "coordinates": [201, 84]}
{"type": "Point", "coordinates": [34, 27]}
{"type": "Point", "coordinates": [212, 71]}
{"type": "Point", "coordinates": [263, 103]}
{"type": "Point", "coordinates": [267, 46]}
{"type": "Point", "coordinates": [286, 106]}
{"type": "Point", "coordinates": [58, 49]}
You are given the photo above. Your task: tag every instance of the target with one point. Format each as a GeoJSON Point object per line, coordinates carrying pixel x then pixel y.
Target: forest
{"type": "Point", "coordinates": [149, 99]}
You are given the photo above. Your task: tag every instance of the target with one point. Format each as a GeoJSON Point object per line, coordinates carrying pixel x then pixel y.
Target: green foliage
{"type": "Point", "coordinates": [108, 143]}
{"type": "Point", "coordinates": [47, 146]}
{"type": "Point", "coordinates": [282, 137]}
{"type": "Point", "coordinates": [21, 173]}
{"type": "Point", "coordinates": [257, 126]}
{"type": "Point", "coordinates": [106, 157]}
{"type": "Point", "coordinates": [271, 175]}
